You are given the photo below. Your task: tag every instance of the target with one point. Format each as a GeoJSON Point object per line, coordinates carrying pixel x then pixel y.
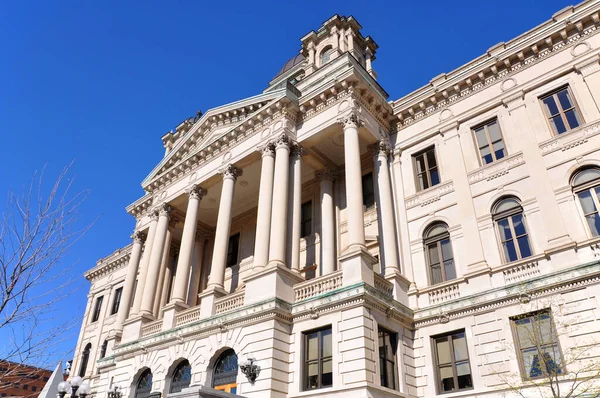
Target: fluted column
{"type": "Point", "coordinates": [164, 265]}
{"type": "Point", "coordinates": [196, 268]}
{"type": "Point", "coordinates": [217, 271]}
{"type": "Point", "coordinates": [132, 270]}
{"type": "Point", "coordinates": [295, 202]}
{"type": "Point", "coordinates": [265, 201]}
{"type": "Point", "coordinates": [139, 293]}
{"type": "Point", "coordinates": [155, 261]}
{"type": "Point", "coordinates": [328, 257]}
{"type": "Point", "coordinates": [280, 201]}
{"type": "Point", "coordinates": [187, 245]}
{"type": "Point", "coordinates": [389, 240]}
{"type": "Point", "coordinates": [354, 200]}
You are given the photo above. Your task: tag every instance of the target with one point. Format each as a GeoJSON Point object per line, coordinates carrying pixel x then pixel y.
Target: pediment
{"type": "Point", "coordinates": [214, 128]}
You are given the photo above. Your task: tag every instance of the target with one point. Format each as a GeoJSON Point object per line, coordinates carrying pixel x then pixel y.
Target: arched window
{"type": "Point", "coordinates": [439, 253]}
{"type": "Point", "coordinates": [182, 376]}
{"type": "Point", "coordinates": [85, 356]}
{"type": "Point", "coordinates": [326, 55]}
{"type": "Point", "coordinates": [225, 372]}
{"type": "Point", "coordinates": [586, 185]}
{"type": "Point", "coordinates": [512, 231]}
{"type": "Point", "coordinates": [103, 349]}
{"type": "Point", "coordinates": [144, 384]}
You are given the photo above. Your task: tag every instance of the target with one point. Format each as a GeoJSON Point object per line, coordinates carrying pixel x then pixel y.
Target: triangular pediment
{"type": "Point", "coordinates": [211, 128]}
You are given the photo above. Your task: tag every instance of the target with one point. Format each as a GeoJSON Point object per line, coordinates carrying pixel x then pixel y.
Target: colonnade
{"type": "Point", "coordinates": [278, 222]}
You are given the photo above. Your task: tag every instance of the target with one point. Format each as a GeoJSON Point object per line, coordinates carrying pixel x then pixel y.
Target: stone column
{"type": "Point", "coordinates": [328, 257]}
{"type": "Point", "coordinates": [164, 265]}
{"type": "Point", "coordinates": [217, 272]}
{"type": "Point", "coordinates": [139, 290]}
{"type": "Point", "coordinates": [132, 270]}
{"type": "Point", "coordinates": [187, 245]}
{"type": "Point", "coordinates": [280, 202]}
{"type": "Point", "coordinates": [151, 282]}
{"type": "Point", "coordinates": [295, 203]}
{"type": "Point", "coordinates": [192, 296]}
{"type": "Point", "coordinates": [354, 201]}
{"type": "Point", "coordinates": [265, 200]}
{"type": "Point", "coordinates": [389, 239]}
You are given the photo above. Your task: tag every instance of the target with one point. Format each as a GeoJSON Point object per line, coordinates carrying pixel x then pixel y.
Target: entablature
{"type": "Point", "coordinates": [110, 263]}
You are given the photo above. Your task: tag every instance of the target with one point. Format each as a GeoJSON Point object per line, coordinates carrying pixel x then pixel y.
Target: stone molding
{"type": "Point", "coordinates": [430, 195]}
{"type": "Point", "coordinates": [196, 192]}
{"type": "Point", "coordinates": [496, 169]}
{"type": "Point", "coordinates": [231, 172]}
{"type": "Point", "coordinates": [110, 264]}
{"type": "Point", "coordinates": [588, 67]}
{"type": "Point", "coordinates": [571, 139]}
{"type": "Point", "coordinates": [138, 237]}
{"type": "Point", "coordinates": [327, 174]}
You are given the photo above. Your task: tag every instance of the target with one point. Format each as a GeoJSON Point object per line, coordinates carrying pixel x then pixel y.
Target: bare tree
{"type": "Point", "coordinates": [557, 351]}
{"type": "Point", "coordinates": [37, 230]}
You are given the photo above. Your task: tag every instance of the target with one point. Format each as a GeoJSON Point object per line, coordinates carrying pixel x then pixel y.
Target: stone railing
{"type": "Point", "coordinates": [152, 328]}
{"type": "Point", "coordinates": [521, 272]}
{"type": "Point", "coordinates": [317, 286]}
{"type": "Point", "coordinates": [383, 285]}
{"type": "Point", "coordinates": [444, 294]}
{"type": "Point", "coordinates": [229, 302]}
{"type": "Point", "coordinates": [188, 316]}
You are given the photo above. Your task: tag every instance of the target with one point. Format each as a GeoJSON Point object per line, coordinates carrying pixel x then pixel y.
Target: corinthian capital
{"type": "Point", "coordinates": [382, 148]}
{"type": "Point", "coordinates": [196, 192]}
{"type": "Point", "coordinates": [351, 119]}
{"type": "Point", "coordinates": [327, 174]}
{"type": "Point", "coordinates": [267, 149]}
{"type": "Point", "coordinates": [164, 210]}
{"type": "Point", "coordinates": [283, 141]}
{"type": "Point", "coordinates": [297, 151]}
{"type": "Point", "coordinates": [138, 237]}
{"type": "Point", "coordinates": [231, 172]}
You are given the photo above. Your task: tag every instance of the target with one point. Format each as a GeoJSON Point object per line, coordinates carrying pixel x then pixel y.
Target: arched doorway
{"type": "Point", "coordinates": [144, 385]}
{"type": "Point", "coordinates": [225, 372]}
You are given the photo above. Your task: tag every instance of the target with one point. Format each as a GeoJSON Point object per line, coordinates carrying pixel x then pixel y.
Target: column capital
{"type": "Point", "coordinates": [138, 237]}
{"type": "Point", "coordinates": [283, 141]}
{"type": "Point", "coordinates": [588, 67]}
{"type": "Point", "coordinates": [297, 151]}
{"type": "Point", "coordinates": [163, 210]}
{"type": "Point", "coordinates": [327, 174]}
{"type": "Point", "coordinates": [231, 172]}
{"type": "Point", "coordinates": [351, 119]}
{"type": "Point", "coordinates": [153, 214]}
{"type": "Point", "coordinates": [267, 149]}
{"type": "Point", "coordinates": [382, 148]}
{"type": "Point", "coordinates": [196, 192]}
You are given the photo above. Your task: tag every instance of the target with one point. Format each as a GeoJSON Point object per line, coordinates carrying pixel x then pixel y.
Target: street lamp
{"type": "Point", "coordinates": [78, 387]}
{"type": "Point", "coordinates": [250, 369]}
{"type": "Point", "coordinates": [115, 393]}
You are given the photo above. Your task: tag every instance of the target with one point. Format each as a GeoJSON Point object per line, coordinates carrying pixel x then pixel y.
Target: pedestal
{"type": "Point", "coordinates": [357, 266]}
{"type": "Point", "coordinates": [207, 300]}
{"type": "Point", "coordinates": [132, 328]}
{"type": "Point", "coordinates": [275, 280]}
{"type": "Point", "coordinates": [169, 312]}
{"type": "Point", "coordinates": [401, 286]}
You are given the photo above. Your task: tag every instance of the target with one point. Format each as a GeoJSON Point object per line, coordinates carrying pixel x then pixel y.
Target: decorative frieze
{"type": "Point", "coordinates": [430, 195]}
{"type": "Point", "coordinates": [444, 294]}
{"type": "Point", "coordinates": [496, 169]}
{"type": "Point", "coordinates": [571, 139]}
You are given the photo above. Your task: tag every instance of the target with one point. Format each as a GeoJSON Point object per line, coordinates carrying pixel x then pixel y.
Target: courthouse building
{"type": "Point", "coordinates": [355, 245]}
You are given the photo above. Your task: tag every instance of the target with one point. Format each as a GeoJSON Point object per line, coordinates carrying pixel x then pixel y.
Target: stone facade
{"type": "Point", "coordinates": [319, 214]}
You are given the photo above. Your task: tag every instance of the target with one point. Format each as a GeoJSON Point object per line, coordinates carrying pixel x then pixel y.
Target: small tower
{"type": "Point", "coordinates": [336, 36]}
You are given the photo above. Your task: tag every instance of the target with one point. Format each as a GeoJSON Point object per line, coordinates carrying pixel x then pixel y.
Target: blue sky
{"type": "Point", "coordinates": [99, 82]}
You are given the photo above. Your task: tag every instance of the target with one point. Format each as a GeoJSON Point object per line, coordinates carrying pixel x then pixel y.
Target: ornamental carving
{"type": "Point", "coordinates": [283, 141]}
{"type": "Point", "coordinates": [231, 172]}
{"type": "Point", "coordinates": [297, 151]}
{"type": "Point", "coordinates": [138, 237]}
{"type": "Point", "coordinates": [352, 119]}
{"type": "Point", "coordinates": [196, 192]}
{"type": "Point", "coordinates": [327, 174]}
{"type": "Point", "coordinates": [267, 149]}
{"type": "Point", "coordinates": [382, 148]}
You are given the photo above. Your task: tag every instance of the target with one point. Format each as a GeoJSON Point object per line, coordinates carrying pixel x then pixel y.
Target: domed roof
{"type": "Point", "coordinates": [291, 63]}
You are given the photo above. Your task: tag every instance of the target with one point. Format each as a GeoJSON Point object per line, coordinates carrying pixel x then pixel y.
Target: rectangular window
{"type": "Point", "coordinates": [388, 345]}
{"type": "Point", "coordinates": [452, 362]}
{"type": "Point", "coordinates": [25, 387]}
{"type": "Point", "coordinates": [116, 301]}
{"type": "Point", "coordinates": [233, 249]}
{"type": "Point", "coordinates": [426, 170]}
{"type": "Point", "coordinates": [97, 308]}
{"type": "Point", "coordinates": [489, 141]}
{"type": "Point", "coordinates": [537, 345]}
{"type": "Point", "coordinates": [561, 110]}
{"type": "Point", "coordinates": [368, 191]}
{"type": "Point", "coordinates": [318, 362]}
{"type": "Point", "coordinates": [34, 388]}
{"type": "Point", "coordinates": [306, 219]}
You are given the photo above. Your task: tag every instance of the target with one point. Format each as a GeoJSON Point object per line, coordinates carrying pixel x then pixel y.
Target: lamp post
{"type": "Point", "coordinates": [78, 387]}
{"type": "Point", "coordinates": [115, 393]}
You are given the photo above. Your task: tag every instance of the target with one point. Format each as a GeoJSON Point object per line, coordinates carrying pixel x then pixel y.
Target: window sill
{"type": "Point", "coordinates": [570, 139]}
{"type": "Point", "coordinates": [429, 195]}
{"type": "Point", "coordinates": [441, 285]}
{"type": "Point", "coordinates": [496, 169]}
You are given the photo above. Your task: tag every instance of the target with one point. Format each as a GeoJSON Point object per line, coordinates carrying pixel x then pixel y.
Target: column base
{"type": "Point", "coordinates": [401, 285]}
{"type": "Point", "coordinates": [207, 300]}
{"type": "Point", "coordinates": [132, 327]}
{"type": "Point", "coordinates": [357, 265]}
{"type": "Point", "coordinates": [275, 280]}
{"type": "Point", "coordinates": [169, 312]}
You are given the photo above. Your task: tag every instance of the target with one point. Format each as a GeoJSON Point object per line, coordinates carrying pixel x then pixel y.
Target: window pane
{"type": "Point", "coordinates": [487, 159]}
{"type": "Point", "coordinates": [436, 274]}
{"type": "Point", "coordinates": [423, 183]}
{"type": "Point", "coordinates": [551, 107]}
{"type": "Point", "coordinates": [446, 249]}
{"type": "Point", "coordinates": [443, 351]}
{"type": "Point", "coordinates": [524, 247]}
{"type": "Point", "coordinates": [499, 149]}
{"type": "Point", "coordinates": [494, 131]}
{"type": "Point", "coordinates": [593, 221]}
{"type": "Point", "coordinates": [460, 347]}
{"type": "Point", "coordinates": [447, 379]}
{"type": "Point", "coordinates": [431, 159]}
{"type": "Point", "coordinates": [435, 177]}
{"type": "Point", "coordinates": [313, 375]}
{"type": "Point", "coordinates": [390, 374]}
{"type": "Point", "coordinates": [585, 176]}
{"type": "Point", "coordinates": [564, 99]}
{"type": "Point", "coordinates": [434, 257]}
{"type": "Point", "coordinates": [559, 125]}
{"type": "Point", "coordinates": [572, 118]}
{"type": "Point", "coordinates": [449, 268]}
{"type": "Point", "coordinates": [313, 348]}
{"type": "Point", "coordinates": [504, 229]}
{"type": "Point", "coordinates": [587, 203]}
{"type": "Point", "coordinates": [326, 343]}
{"type": "Point", "coordinates": [551, 358]}
{"type": "Point", "coordinates": [420, 162]}
{"type": "Point", "coordinates": [525, 332]}
{"type": "Point", "coordinates": [481, 137]}
{"type": "Point", "coordinates": [510, 252]}
{"type": "Point", "coordinates": [531, 363]}
{"type": "Point", "coordinates": [518, 224]}
{"type": "Point", "coordinates": [327, 377]}
{"type": "Point", "coordinates": [544, 326]}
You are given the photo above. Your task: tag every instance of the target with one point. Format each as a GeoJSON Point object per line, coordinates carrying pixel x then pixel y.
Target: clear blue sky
{"type": "Point", "coordinates": [101, 81]}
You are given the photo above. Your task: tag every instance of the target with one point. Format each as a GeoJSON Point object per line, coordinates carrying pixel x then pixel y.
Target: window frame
{"type": "Point", "coordinates": [237, 249]}
{"type": "Point", "coordinates": [427, 168]}
{"type": "Point", "coordinates": [485, 125]}
{"type": "Point", "coordinates": [116, 300]}
{"type": "Point", "coordinates": [590, 187]}
{"type": "Point", "coordinates": [97, 309]}
{"type": "Point", "coordinates": [561, 112]}
{"type": "Point", "coordinates": [394, 345]}
{"type": "Point", "coordinates": [436, 364]}
{"type": "Point", "coordinates": [303, 221]}
{"type": "Point", "coordinates": [320, 359]}
{"type": "Point", "coordinates": [176, 386]}
{"type": "Point", "coordinates": [519, 349]}
{"type": "Point", "coordinates": [508, 214]}
{"type": "Point", "coordinates": [437, 239]}
{"type": "Point", "coordinates": [364, 177]}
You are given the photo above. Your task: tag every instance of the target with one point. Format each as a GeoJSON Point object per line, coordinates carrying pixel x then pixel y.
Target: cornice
{"type": "Point", "coordinates": [110, 263]}
{"type": "Point", "coordinates": [140, 206]}
{"type": "Point", "coordinates": [500, 62]}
